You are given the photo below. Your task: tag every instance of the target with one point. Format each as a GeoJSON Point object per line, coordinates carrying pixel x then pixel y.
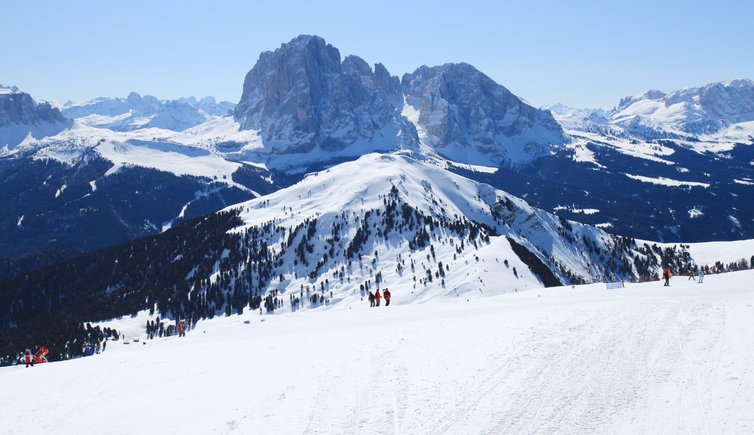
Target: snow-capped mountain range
{"type": "Point", "coordinates": [720, 111]}
{"type": "Point", "coordinates": [303, 107]}
{"type": "Point", "coordinates": [138, 112]}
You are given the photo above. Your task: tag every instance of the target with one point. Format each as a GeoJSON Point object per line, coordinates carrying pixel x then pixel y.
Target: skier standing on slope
{"type": "Point", "coordinates": [371, 299]}
{"type": "Point", "coordinates": [701, 276]}
{"type": "Point", "coordinates": [28, 358]}
{"type": "Point", "coordinates": [666, 276]}
{"type": "Point", "coordinates": [387, 297]}
{"type": "Point", "coordinates": [692, 273]}
{"type": "Point", "coordinates": [377, 297]}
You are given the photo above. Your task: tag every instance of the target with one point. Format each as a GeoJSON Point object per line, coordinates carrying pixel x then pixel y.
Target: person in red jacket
{"type": "Point", "coordinates": [28, 358]}
{"type": "Point", "coordinates": [377, 297]}
{"type": "Point", "coordinates": [387, 297]}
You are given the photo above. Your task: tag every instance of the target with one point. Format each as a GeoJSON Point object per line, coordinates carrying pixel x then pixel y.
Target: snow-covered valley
{"type": "Point", "coordinates": [641, 359]}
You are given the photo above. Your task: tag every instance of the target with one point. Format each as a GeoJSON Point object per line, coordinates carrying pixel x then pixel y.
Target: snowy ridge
{"type": "Point", "coordinates": [337, 199]}
{"type": "Point", "coordinates": [148, 148]}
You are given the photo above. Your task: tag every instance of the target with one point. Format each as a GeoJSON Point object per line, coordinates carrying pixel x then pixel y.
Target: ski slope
{"type": "Point", "coordinates": [640, 359]}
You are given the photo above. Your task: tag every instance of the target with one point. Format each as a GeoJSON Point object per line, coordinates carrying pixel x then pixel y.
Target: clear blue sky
{"type": "Point", "coordinates": [582, 53]}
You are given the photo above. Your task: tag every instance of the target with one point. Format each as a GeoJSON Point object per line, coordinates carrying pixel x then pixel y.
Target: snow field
{"type": "Point", "coordinates": [574, 360]}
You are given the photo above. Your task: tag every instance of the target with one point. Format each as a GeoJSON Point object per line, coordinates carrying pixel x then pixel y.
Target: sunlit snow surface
{"type": "Point", "coordinates": [642, 359]}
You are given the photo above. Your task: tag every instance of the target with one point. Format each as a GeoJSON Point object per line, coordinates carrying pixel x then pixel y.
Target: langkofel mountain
{"type": "Point", "coordinates": [660, 166]}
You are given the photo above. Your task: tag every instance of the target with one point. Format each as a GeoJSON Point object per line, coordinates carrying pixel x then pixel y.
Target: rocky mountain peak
{"type": "Point", "coordinates": [18, 107]}
{"type": "Point", "coordinates": [468, 117]}
{"type": "Point", "coordinates": [301, 98]}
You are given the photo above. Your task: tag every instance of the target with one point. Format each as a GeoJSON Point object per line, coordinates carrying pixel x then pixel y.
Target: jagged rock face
{"type": "Point", "coordinates": [466, 116]}
{"type": "Point", "coordinates": [301, 96]}
{"type": "Point", "coordinates": [731, 101]}
{"type": "Point", "coordinates": [20, 108]}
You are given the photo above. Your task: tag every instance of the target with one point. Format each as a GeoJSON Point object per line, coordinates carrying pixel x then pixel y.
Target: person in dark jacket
{"type": "Point", "coordinates": [371, 299]}
{"type": "Point", "coordinates": [386, 294]}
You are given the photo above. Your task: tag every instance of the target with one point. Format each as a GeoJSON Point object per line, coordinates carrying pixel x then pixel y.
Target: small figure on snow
{"type": "Point", "coordinates": [692, 273]}
{"type": "Point", "coordinates": [386, 294]}
{"type": "Point", "coordinates": [28, 358]}
{"type": "Point", "coordinates": [181, 328]}
{"type": "Point", "coordinates": [666, 276]}
{"type": "Point", "coordinates": [371, 299]}
{"type": "Point", "coordinates": [701, 276]}
{"type": "Point", "coordinates": [377, 297]}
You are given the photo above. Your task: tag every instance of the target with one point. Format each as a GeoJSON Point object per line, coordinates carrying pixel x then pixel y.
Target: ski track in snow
{"type": "Point", "coordinates": [643, 359]}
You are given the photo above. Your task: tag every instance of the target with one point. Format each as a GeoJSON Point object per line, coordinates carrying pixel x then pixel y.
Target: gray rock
{"type": "Point", "coordinates": [302, 97]}
{"type": "Point", "coordinates": [468, 117]}
{"type": "Point", "coordinates": [20, 108]}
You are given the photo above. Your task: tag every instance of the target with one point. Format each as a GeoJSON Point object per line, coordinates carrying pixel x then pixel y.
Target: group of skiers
{"type": "Point", "coordinates": [667, 273]}
{"type": "Point", "coordinates": [374, 298]}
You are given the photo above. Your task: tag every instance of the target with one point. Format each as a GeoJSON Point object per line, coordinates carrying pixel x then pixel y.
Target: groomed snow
{"type": "Point", "coordinates": [642, 359]}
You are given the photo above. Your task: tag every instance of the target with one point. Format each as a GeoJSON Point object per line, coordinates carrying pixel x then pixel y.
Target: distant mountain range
{"type": "Point", "coordinates": [663, 166]}
{"type": "Point", "coordinates": [717, 111]}
{"type": "Point", "coordinates": [136, 112]}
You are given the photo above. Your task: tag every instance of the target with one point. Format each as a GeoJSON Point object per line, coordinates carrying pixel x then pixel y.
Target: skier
{"type": "Point", "coordinates": [692, 273]}
{"type": "Point", "coordinates": [387, 297]}
{"type": "Point", "coordinates": [28, 358]}
{"type": "Point", "coordinates": [377, 297]}
{"type": "Point", "coordinates": [666, 276]}
{"type": "Point", "coordinates": [371, 299]}
{"type": "Point", "coordinates": [701, 276]}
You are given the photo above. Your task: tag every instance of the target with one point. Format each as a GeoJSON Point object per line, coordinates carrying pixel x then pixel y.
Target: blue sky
{"type": "Point", "coordinates": [581, 53]}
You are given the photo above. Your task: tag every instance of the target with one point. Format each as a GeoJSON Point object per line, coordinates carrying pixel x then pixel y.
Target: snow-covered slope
{"type": "Point", "coordinates": [136, 112]}
{"type": "Point", "coordinates": [643, 359]}
{"type": "Point", "coordinates": [342, 203]}
{"type": "Point", "coordinates": [146, 148]}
